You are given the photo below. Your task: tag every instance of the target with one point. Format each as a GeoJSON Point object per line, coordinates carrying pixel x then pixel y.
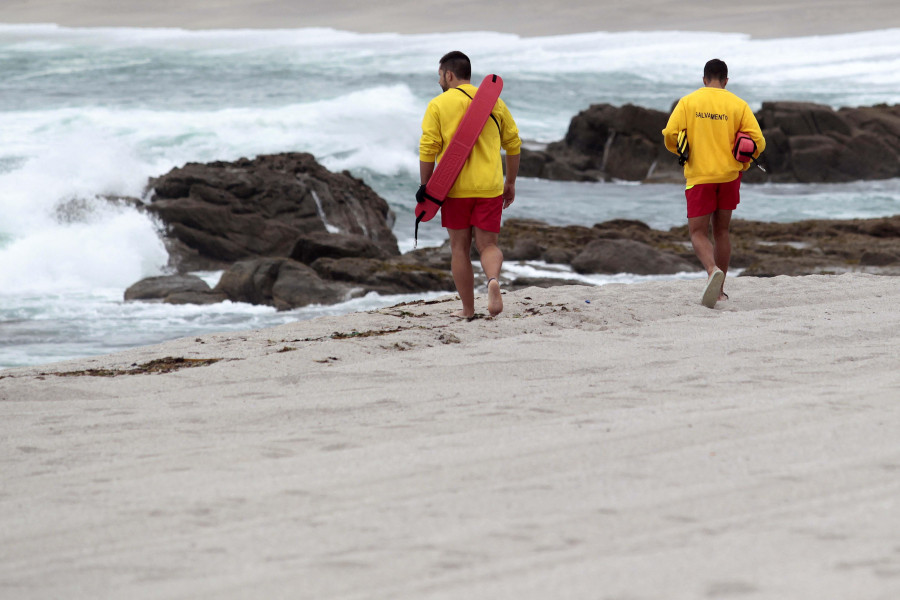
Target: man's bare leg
{"type": "Point", "coordinates": [698, 227]}
{"type": "Point", "coordinates": [491, 263]}
{"type": "Point", "coordinates": [721, 223]}
{"type": "Point", "coordinates": [461, 267]}
{"type": "Point", "coordinates": [705, 251]}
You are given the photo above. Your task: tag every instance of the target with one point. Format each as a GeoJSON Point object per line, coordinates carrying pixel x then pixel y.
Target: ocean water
{"type": "Point", "coordinates": [94, 112]}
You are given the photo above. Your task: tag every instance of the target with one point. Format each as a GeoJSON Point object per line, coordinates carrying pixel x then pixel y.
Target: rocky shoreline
{"type": "Point", "coordinates": [287, 232]}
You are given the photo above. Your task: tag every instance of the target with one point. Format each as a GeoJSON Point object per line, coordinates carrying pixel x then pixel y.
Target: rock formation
{"type": "Point", "coordinates": [806, 143]}
{"type": "Point", "coordinates": [174, 289]}
{"type": "Point", "coordinates": [286, 232]}
{"type": "Point", "coordinates": [218, 213]}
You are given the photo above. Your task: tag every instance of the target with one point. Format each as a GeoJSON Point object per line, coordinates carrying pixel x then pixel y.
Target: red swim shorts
{"type": "Point", "coordinates": [706, 198]}
{"type": "Point", "coordinates": [462, 213]}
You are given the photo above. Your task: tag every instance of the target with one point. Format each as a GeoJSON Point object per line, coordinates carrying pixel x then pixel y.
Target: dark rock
{"type": "Point", "coordinates": [223, 212]}
{"type": "Point", "coordinates": [624, 229]}
{"type": "Point", "coordinates": [524, 249]}
{"type": "Point", "coordinates": [557, 256]}
{"type": "Point", "coordinates": [866, 155]}
{"type": "Point", "coordinates": [802, 119]}
{"type": "Point", "coordinates": [394, 278]}
{"type": "Point", "coordinates": [882, 121]}
{"type": "Point", "coordinates": [631, 158]}
{"type": "Point", "coordinates": [251, 280]}
{"type": "Point", "coordinates": [568, 238]}
{"type": "Point", "coordinates": [279, 282]}
{"type": "Point", "coordinates": [533, 161]}
{"type": "Point", "coordinates": [878, 259]}
{"type": "Point", "coordinates": [627, 256]}
{"type": "Point", "coordinates": [285, 283]}
{"type": "Point", "coordinates": [560, 245]}
{"type": "Point", "coordinates": [346, 269]}
{"type": "Point", "coordinates": [385, 277]}
{"type": "Point", "coordinates": [542, 282]}
{"type": "Point", "coordinates": [606, 142]}
{"type": "Point", "coordinates": [558, 164]}
{"type": "Point", "coordinates": [174, 289]}
{"type": "Point", "coordinates": [814, 157]}
{"type": "Point", "coordinates": [298, 285]}
{"type": "Point", "coordinates": [333, 245]}
{"type": "Point", "coordinates": [157, 288]}
{"type": "Point", "coordinates": [880, 228]}
{"type": "Point", "coordinates": [187, 259]}
{"type": "Point", "coordinates": [437, 257]}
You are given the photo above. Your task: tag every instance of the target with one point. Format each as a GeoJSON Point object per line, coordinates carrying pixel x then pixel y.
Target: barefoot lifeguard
{"type": "Point", "coordinates": [473, 206]}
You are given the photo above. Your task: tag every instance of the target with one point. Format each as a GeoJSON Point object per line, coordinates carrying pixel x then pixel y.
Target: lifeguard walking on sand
{"type": "Point", "coordinates": [475, 202]}
{"type": "Point", "coordinates": [702, 131]}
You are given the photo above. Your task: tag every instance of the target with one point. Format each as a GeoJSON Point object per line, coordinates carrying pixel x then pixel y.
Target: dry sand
{"type": "Point", "coordinates": [761, 18]}
{"type": "Point", "coordinates": [620, 442]}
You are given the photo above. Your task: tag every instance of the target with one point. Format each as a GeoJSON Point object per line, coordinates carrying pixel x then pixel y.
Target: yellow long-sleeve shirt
{"type": "Point", "coordinates": [482, 175]}
{"type": "Point", "coordinates": [712, 117]}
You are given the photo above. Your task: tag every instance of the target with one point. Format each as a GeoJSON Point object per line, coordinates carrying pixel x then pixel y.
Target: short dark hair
{"type": "Point", "coordinates": [715, 69]}
{"type": "Point", "coordinates": [457, 63]}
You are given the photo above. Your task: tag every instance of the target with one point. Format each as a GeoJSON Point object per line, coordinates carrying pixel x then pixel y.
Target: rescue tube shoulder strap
{"type": "Point", "coordinates": [496, 122]}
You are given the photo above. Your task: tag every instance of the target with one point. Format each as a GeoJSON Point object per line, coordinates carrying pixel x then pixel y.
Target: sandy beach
{"type": "Point", "coordinates": [765, 18]}
{"type": "Point", "coordinates": [611, 442]}
{"type": "Point", "coordinates": [614, 443]}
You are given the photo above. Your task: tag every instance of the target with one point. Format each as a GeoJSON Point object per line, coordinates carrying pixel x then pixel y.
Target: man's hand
{"type": "Point", "coordinates": [509, 194]}
{"type": "Point", "coordinates": [420, 194]}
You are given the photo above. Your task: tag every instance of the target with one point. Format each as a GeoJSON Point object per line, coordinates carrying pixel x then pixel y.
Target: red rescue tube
{"type": "Point", "coordinates": [460, 147]}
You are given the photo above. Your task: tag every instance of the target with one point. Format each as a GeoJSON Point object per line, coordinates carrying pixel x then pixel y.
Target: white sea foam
{"type": "Point", "coordinates": [76, 155]}
{"type": "Point", "coordinates": [60, 234]}
{"type": "Point", "coordinates": [112, 250]}
{"type": "Point", "coordinates": [553, 271]}
{"type": "Point", "coordinates": [372, 127]}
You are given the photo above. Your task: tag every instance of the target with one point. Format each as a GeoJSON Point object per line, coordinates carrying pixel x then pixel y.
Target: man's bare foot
{"type": "Point", "coordinates": [716, 280]}
{"type": "Point", "coordinates": [461, 314]}
{"type": "Point", "coordinates": [495, 300]}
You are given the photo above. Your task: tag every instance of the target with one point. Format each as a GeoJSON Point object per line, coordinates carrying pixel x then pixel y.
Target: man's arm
{"type": "Point", "coordinates": [674, 126]}
{"type": "Point", "coordinates": [512, 145]}
{"type": "Point", "coordinates": [512, 171]}
{"type": "Point", "coordinates": [426, 169]}
{"type": "Point", "coordinates": [430, 144]}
